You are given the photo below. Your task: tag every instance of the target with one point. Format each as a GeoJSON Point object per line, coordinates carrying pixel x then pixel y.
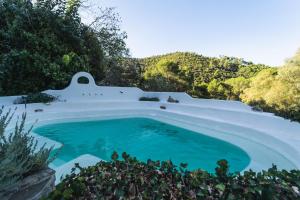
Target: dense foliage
{"type": "Point", "coordinates": [43, 44]}
{"type": "Point", "coordinates": [132, 179]}
{"type": "Point", "coordinates": [277, 90]}
{"type": "Point", "coordinates": [19, 155]}
{"type": "Point", "coordinates": [266, 88]}
{"type": "Point", "coordinates": [35, 98]}
{"type": "Point", "coordinates": [194, 73]}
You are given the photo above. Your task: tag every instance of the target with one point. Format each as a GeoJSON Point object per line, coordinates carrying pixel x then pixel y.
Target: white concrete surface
{"type": "Point", "coordinates": [84, 161]}
{"type": "Point", "coordinates": [266, 138]}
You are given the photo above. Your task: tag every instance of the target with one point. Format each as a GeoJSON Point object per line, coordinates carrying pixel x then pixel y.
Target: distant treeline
{"type": "Point", "coordinates": [43, 44]}
{"type": "Point", "coordinates": [265, 88]}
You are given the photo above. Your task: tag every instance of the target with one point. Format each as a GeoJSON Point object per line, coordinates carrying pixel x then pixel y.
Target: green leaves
{"type": "Point", "coordinates": [114, 156]}
{"type": "Point", "coordinates": [220, 187]}
{"type": "Point", "coordinates": [132, 179]}
{"type": "Point", "coordinates": [35, 98]}
{"type": "Point", "coordinates": [222, 169]}
{"type": "Point", "coordinates": [44, 44]}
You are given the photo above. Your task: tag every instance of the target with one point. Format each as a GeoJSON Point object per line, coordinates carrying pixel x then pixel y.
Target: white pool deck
{"type": "Point", "coordinates": [266, 138]}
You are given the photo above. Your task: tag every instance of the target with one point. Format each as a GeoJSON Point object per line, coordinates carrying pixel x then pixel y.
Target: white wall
{"type": "Point", "coordinates": [76, 92]}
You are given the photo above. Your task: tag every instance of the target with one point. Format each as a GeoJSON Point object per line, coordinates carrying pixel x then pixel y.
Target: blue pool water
{"type": "Point", "coordinates": [143, 138]}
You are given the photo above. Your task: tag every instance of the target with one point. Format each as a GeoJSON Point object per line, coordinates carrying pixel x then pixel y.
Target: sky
{"type": "Point", "coordinates": [262, 31]}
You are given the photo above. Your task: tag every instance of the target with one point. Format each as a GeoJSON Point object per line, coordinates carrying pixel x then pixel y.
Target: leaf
{"type": "Point", "coordinates": [114, 156]}
{"type": "Point", "coordinates": [220, 187]}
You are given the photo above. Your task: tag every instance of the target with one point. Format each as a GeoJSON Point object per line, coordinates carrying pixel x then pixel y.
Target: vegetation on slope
{"type": "Point", "coordinates": [267, 88]}
{"type": "Point", "coordinates": [198, 75]}
{"type": "Point", "coordinates": [277, 90]}
{"type": "Point", "coordinates": [132, 179]}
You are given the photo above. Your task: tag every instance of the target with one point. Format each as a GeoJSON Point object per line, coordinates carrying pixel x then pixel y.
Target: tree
{"type": "Point", "coordinates": [238, 85]}
{"type": "Point", "coordinates": [165, 76]}
{"type": "Point", "coordinates": [219, 90]}
{"type": "Point", "coordinates": [112, 39]}
{"type": "Point", "coordinates": [260, 85]}
{"type": "Point", "coordinates": [125, 72]}
{"type": "Point", "coordinates": [44, 44]}
{"type": "Point", "coordinates": [277, 90]}
{"type": "Point", "coordinates": [132, 72]}
{"type": "Point", "coordinates": [250, 70]}
{"type": "Point", "coordinates": [197, 72]}
{"type": "Point", "coordinates": [289, 81]}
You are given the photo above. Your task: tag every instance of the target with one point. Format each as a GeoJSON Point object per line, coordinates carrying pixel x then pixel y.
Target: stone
{"type": "Point", "coordinates": [32, 187]}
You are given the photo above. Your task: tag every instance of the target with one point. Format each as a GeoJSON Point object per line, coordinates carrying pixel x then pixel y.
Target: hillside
{"type": "Point", "coordinates": [265, 88]}
{"type": "Point", "coordinates": [221, 67]}
{"type": "Point", "coordinates": [194, 73]}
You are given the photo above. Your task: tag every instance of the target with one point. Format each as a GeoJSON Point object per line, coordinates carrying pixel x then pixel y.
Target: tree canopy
{"type": "Point", "coordinates": [272, 89]}
{"type": "Point", "coordinates": [278, 89]}
{"type": "Point", "coordinates": [196, 74]}
{"type": "Point", "coordinates": [44, 43]}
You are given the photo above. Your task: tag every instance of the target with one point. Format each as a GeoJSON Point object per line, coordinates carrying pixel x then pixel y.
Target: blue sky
{"type": "Point", "coordinates": [262, 31]}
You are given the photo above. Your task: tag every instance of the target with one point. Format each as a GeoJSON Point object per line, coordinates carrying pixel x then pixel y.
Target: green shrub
{"type": "Point", "coordinates": [292, 113]}
{"type": "Point", "coordinates": [35, 98]}
{"type": "Point", "coordinates": [149, 99]}
{"type": "Point", "coordinates": [132, 179]}
{"type": "Point", "coordinates": [19, 156]}
{"type": "Point", "coordinates": [259, 106]}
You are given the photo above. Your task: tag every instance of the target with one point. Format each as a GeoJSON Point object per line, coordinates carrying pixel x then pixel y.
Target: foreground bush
{"type": "Point", "coordinates": [132, 179]}
{"type": "Point", "coordinates": [19, 155]}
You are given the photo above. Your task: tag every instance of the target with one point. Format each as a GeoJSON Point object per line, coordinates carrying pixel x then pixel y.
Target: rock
{"type": "Point", "coordinates": [163, 107]}
{"type": "Point", "coordinates": [33, 187]}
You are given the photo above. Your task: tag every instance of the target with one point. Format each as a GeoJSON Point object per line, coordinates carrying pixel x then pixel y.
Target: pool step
{"type": "Point", "coordinates": [85, 160]}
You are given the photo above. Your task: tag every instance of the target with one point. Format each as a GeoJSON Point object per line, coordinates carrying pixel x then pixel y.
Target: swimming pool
{"type": "Point", "coordinates": [210, 129]}
{"type": "Point", "coordinates": [144, 138]}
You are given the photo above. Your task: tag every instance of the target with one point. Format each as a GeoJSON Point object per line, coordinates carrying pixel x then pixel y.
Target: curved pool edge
{"type": "Point", "coordinates": [270, 148]}
{"type": "Point", "coordinates": [166, 117]}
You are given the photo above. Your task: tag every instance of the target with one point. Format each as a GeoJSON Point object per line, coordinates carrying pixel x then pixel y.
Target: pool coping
{"type": "Point", "coordinates": [164, 116]}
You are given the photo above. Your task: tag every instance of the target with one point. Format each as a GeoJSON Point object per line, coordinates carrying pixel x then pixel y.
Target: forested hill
{"type": "Point", "coordinates": [195, 74]}
{"type": "Point", "coordinates": [210, 68]}
{"type": "Point", "coordinates": [266, 88]}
